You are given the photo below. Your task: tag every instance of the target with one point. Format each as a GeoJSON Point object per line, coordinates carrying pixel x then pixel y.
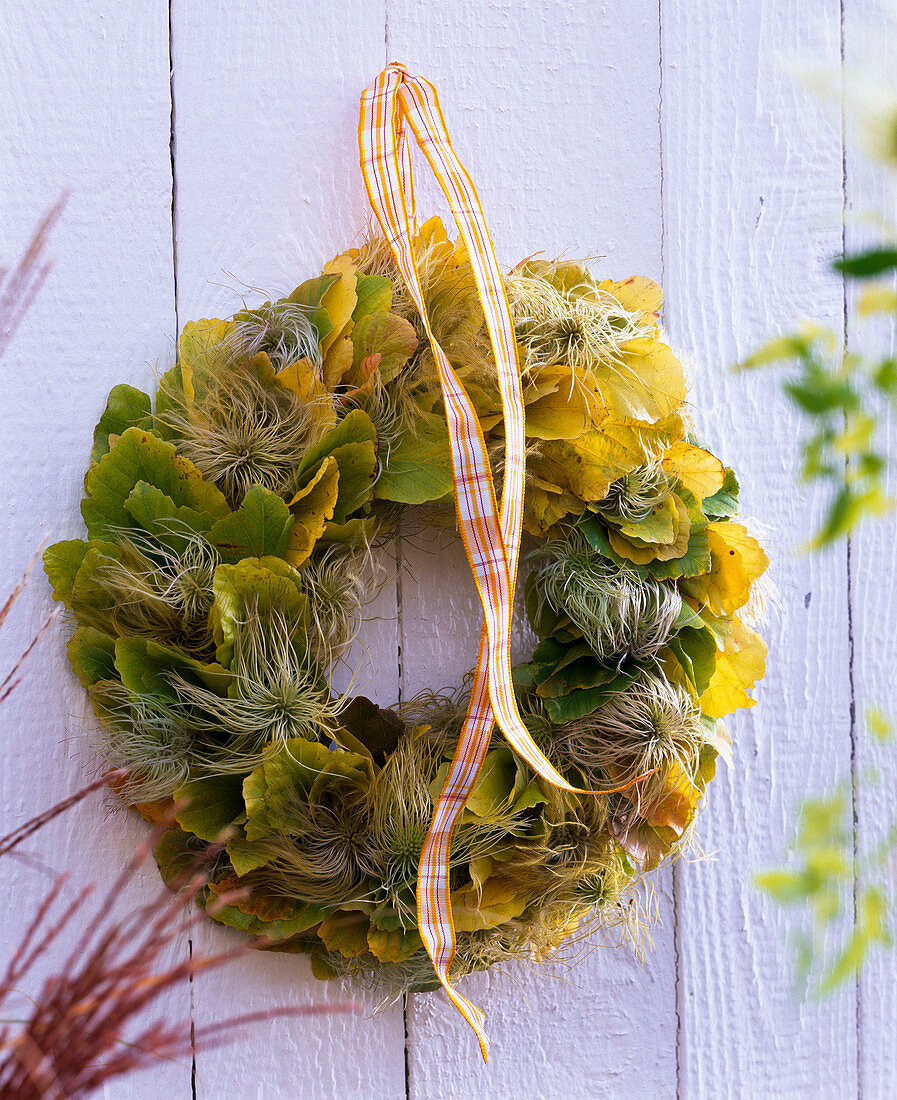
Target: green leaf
{"type": "Point", "coordinates": [171, 525]}
{"type": "Point", "coordinates": [543, 619]}
{"type": "Point", "coordinates": [577, 704]}
{"type": "Point", "coordinates": [265, 585]}
{"type": "Point", "coordinates": [374, 294]}
{"type": "Point", "coordinates": [695, 649]}
{"type": "Point", "coordinates": [62, 561]}
{"type": "Point", "coordinates": [274, 790]}
{"type": "Point", "coordinates": [693, 563]}
{"type": "Point", "coordinates": [176, 853]}
{"type": "Point", "coordinates": [211, 805]}
{"type": "Point", "coordinates": [724, 503]}
{"type": "Point", "coordinates": [863, 265]}
{"type": "Point", "coordinates": [93, 597]}
{"type": "Point", "coordinates": [259, 527]}
{"type": "Point", "coordinates": [169, 400]}
{"type": "Point", "coordinates": [885, 377]}
{"type": "Point", "coordinates": [146, 668]}
{"type": "Point", "coordinates": [126, 407]}
{"type": "Point", "coordinates": [419, 468]}
{"type": "Point", "coordinates": [384, 334]}
{"type": "Point", "coordinates": [353, 444]}
{"type": "Point", "coordinates": [245, 856]}
{"type": "Point", "coordinates": [586, 672]}
{"type": "Point", "coordinates": [263, 914]}
{"type": "Point", "coordinates": [142, 456]}
{"type": "Point", "coordinates": [309, 294]}
{"type": "Point", "coordinates": [785, 887]}
{"type": "Point", "coordinates": [495, 784]}
{"type": "Point", "coordinates": [91, 654]}
{"type": "Point", "coordinates": [782, 349]}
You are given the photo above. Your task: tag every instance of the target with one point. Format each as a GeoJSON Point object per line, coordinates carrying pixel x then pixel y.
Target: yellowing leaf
{"type": "Point", "coordinates": [499, 901]}
{"type": "Point", "coordinates": [384, 334]}
{"type": "Point", "coordinates": [312, 507]}
{"type": "Point", "coordinates": [668, 803]}
{"type": "Point", "coordinates": [544, 507]}
{"type": "Point", "coordinates": [659, 526]}
{"type": "Point", "coordinates": [589, 465]}
{"type": "Point", "coordinates": [699, 471]}
{"type": "Point", "coordinates": [346, 932]}
{"type": "Point", "coordinates": [200, 347]}
{"type": "Point", "coordinates": [338, 360]}
{"type": "Point", "coordinates": [395, 945]}
{"type": "Point", "coordinates": [641, 553]}
{"type": "Point", "coordinates": [741, 664]}
{"type": "Point", "coordinates": [339, 299]}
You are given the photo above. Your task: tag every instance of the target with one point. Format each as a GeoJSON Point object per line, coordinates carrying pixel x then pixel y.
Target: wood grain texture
{"type": "Point", "coordinates": [268, 190]}
{"type": "Point", "coordinates": [663, 138]}
{"type": "Point", "coordinates": [870, 37]}
{"type": "Point", "coordinates": [752, 210]}
{"type": "Point", "coordinates": [86, 107]}
{"type": "Point", "coordinates": [577, 173]}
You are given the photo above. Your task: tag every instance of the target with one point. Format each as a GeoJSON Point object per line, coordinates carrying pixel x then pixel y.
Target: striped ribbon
{"type": "Point", "coordinates": [491, 535]}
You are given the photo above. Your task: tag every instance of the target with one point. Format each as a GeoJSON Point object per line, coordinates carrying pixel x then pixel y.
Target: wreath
{"type": "Point", "coordinates": [236, 528]}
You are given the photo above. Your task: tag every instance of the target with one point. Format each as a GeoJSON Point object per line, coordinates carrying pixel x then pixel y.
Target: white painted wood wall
{"type": "Point", "coordinates": [210, 145]}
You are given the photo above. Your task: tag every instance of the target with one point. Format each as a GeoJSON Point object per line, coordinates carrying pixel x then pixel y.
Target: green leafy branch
{"type": "Point", "coordinates": [823, 878]}
{"type": "Point", "coordinates": [844, 396]}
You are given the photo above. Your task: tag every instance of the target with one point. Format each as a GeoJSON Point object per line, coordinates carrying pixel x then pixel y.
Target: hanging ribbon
{"type": "Point", "coordinates": [491, 535]}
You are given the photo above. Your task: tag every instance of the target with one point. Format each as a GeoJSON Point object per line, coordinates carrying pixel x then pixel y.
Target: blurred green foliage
{"type": "Point", "coordinates": [841, 897]}
{"type": "Point", "coordinates": [840, 886]}
{"type": "Point", "coordinates": [844, 398]}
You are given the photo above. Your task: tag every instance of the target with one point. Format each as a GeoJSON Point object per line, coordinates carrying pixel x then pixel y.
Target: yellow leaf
{"type": "Point", "coordinates": [338, 360]}
{"type": "Point", "coordinates": [673, 805]}
{"type": "Point", "coordinates": [312, 507]}
{"type": "Point", "coordinates": [736, 561]}
{"type": "Point", "coordinates": [557, 406]}
{"type": "Point", "coordinates": [877, 299]}
{"type": "Point", "coordinates": [740, 665]}
{"type": "Point", "coordinates": [638, 293]}
{"type": "Point", "coordinates": [339, 299]}
{"type": "Point", "coordinates": [480, 870]}
{"type": "Point", "coordinates": [699, 471]}
{"type": "Point", "coordinates": [649, 383]}
{"type": "Point", "coordinates": [545, 505]}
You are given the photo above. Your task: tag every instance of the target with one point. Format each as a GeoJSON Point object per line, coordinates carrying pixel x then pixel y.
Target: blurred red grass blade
{"type": "Point", "coordinates": [19, 286]}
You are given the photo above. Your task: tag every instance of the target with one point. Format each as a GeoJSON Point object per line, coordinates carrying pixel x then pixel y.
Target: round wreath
{"type": "Point", "coordinates": [234, 531]}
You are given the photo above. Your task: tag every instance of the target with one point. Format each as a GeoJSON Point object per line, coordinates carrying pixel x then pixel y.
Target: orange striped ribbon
{"type": "Point", "coordinates": [491, 537]}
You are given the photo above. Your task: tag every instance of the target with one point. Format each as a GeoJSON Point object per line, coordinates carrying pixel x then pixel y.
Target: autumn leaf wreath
{"type": "Point", "coordinates": [235, 529]}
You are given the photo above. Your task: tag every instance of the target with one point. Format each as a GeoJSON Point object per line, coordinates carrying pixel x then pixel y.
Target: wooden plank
{"type": "Point", "coordinates": [752, 183]}
{"type": "Point", "coordinates": [86, 107]}
{"type": "Point", "coordinates": [554, 110]}
{"type": "Point", "coordinates": [869, 42]}
{"type": "Point", "coordinates": [268, 189]}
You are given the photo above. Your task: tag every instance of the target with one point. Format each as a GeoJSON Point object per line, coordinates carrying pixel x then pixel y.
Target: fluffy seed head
{"type": "Point", "coordinates": [633, 496]}
{"type": "Point", "coordinates": [620, 613]}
